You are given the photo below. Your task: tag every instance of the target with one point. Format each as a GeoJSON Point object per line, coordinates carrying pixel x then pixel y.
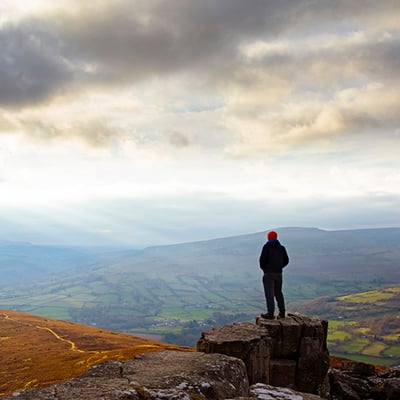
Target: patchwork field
{"type": "Point", "coordinates": [363, 326]}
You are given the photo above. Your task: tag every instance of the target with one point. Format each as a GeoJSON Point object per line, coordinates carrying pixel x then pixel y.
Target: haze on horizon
{"type": "Point", "coordinates": [149, 121]}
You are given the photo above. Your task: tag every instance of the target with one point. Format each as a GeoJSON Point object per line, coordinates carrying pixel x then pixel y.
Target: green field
{"type": "Point", "coordinates": [368, 327]}
{"type": "Point", "coordinates": [169, 306]}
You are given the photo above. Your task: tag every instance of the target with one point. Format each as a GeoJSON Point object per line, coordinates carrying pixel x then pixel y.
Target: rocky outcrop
{"type": "Point", "coordinates": [164, 375]}
{"type": "Point", "coordinates": [289, 352]}
{"type": "Point", "coordinates": [358, 381]}
{"type": "Point", "coordinates": [159, 375]}
{"type": "Point", "coordinates": [269, 359]}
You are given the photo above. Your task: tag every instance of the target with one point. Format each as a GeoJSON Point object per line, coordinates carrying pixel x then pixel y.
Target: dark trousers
{"type": "Point", "coordinates": [272, 283]}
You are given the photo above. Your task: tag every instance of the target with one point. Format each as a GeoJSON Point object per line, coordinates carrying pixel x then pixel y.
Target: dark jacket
{"type": "Point", "coordinates": [273, 257]}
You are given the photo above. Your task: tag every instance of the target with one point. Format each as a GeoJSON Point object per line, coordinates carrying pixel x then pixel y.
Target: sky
{"type": "Point", "coordinates": [142, 122]}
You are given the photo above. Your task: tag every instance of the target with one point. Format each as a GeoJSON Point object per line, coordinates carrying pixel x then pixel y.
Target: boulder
{"type": "Point", "coordinates": [391, 383]}
{"type": "Point", "coordinates": [358, 369]}
{"type": "Point", "coordinates": [343, 386]}
{"type": "Point", "coordinates": [358, 381]}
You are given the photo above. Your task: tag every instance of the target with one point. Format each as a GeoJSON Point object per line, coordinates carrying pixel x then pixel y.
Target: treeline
{"type": "Point", "coordinates": [111, 318]}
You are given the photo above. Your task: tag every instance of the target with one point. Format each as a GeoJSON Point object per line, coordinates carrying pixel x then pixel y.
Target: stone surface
{"type": "Point", "coordinates": [356, 381]}
{"type": "Point", "coordinates": [391, 383]}
{"type": "Point", "coordinates": [158, 375]}
{"type": "Point", "coordinates": [262, 391]}
{"type": "Point", "coordinates": [359, 369]}
{"type": "Point", "coordinates": [344, 386]}
{"type": "Point", "coordinates": [246, 341]}
{"type": "Point", "coordinates": [291, 351]}
{"type": "Point", "coordinates": [283, 372]}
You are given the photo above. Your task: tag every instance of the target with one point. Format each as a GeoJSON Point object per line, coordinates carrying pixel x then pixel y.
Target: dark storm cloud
{"type": "Point", "coordinates": [120, 42]}
{"type": "Point", "coordinates": [32, 65]}
{"type": "Point", "coordinates": [145, 38]}
{"type": "Point", "coordinates": [155, 38]}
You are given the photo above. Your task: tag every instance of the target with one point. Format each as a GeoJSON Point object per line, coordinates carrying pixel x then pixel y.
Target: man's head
{"type": "Point", "coordinates": [272, 235]}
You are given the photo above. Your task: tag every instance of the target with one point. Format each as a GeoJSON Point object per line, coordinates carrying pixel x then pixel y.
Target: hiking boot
{"type": "Point", "coordinates": [267, 316]}
{"type": "Point", "coordinates": [282, 314]}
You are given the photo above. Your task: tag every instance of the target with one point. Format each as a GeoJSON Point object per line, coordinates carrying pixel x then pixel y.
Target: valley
{"type": "Point", "coordinates": [177, 291]}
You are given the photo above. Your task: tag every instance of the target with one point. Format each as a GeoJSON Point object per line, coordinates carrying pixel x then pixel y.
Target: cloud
{"type": "Point", "coordinates": [303, 91]}
{"type": "Point", "coordinates": [158, 38]}
{"type": "Point", "coordinates": [305, 120]}
{"type": "Point", "coordinates": [125, 42]}
{"type": "Point", "coordinates": [178, 139]}
{"type": "Point", "coordinates": [140, 222]}
{"type": "Point", "coordinates": [32, 66]}
{"type": "Point", "coordinates": [6, 125]}
{"type": "Point", "coordinates": [95, 132]}
{"type": "Point", "coordinates": [279, 71]}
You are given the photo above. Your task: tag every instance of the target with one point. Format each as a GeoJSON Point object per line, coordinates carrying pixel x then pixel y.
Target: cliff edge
{"type": "Point", "coordinates": [283, 359]}
{"type": "Point", "coordinates": [240, 360]}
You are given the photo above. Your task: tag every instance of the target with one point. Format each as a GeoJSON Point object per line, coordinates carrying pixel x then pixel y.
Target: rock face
{"type": "Point", "coordinates": [289, 352]}
{"type": "Point", "coordinates": [246, 341]}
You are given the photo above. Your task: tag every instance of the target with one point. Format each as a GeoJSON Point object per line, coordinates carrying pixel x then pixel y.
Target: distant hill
{"type": "Point", "coordinates": [165, 289]}
{"type": "Point", "coordinates": [23, 262]}
{"type": "Point", "coordinates": [316, 254]}
{"type": "Point", "coordinates": [37, 351]}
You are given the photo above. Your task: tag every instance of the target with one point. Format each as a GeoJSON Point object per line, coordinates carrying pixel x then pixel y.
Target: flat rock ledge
{"type": "Point", "coordinates": [159, 375]}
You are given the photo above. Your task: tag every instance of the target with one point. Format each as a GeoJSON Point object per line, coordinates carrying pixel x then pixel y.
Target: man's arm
{"type": "Point", "coordinates": [263, 257]}
{"type": "Point", "coordinates": [285, 257]}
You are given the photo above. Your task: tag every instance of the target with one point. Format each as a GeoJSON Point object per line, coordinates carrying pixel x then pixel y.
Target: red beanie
{"type": "Point", "coordinates": [272, 235]}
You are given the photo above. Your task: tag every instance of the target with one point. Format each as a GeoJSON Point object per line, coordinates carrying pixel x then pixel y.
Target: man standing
{"type": "Point", "coordinates": [273, 259]}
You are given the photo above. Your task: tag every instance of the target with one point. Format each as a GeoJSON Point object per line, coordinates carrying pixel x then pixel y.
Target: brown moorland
{"type": "Point", "coordinates": [38, 351]}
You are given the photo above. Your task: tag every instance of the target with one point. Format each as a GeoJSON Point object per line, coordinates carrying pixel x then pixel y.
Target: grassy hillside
{"type": "Point", "coordinates": [166, 289]}
{"type": "Point", "coordinates": [37, 351]}
{"type": "Point", "coordinates": [363, 326]}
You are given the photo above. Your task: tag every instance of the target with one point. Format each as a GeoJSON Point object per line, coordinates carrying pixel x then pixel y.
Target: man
{"type": "Point", "coordinates": [273, 259]}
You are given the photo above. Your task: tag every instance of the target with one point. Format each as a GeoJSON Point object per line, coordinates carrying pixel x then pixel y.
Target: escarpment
{"type": "Point", "coordinates": [274, 359]}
